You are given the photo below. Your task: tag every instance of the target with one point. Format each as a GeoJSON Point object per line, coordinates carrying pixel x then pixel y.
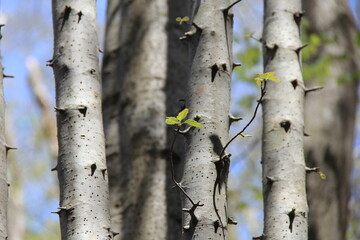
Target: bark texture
{"type": "Point", "coordinates": [142, 73]}
{"type": "Point", "coordinates": [81, 167]}
{"type": "Point", "coordinates": [111, 91]}
{"type": "Point", "coordinates": [3, 164]}
{"type": "Point", "coordinates": [178, 71]}
{"type": "Point", "coordinates": [145, 71]}
{"type": "Point", "coordinates": [285, 204]}
{"type": "Point", "coordinates": [330, 119]}
{"type": "Point", "coordinates": [208, 96]}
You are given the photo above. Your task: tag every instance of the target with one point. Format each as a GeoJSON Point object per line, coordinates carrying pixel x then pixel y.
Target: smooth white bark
{"type": "Point", "coordinates": [208, 97]}
{"type": "Point", "coordinates": [81, 167]}
{"type": "Point", "coordinates": [3, 164]}
{"type": "Point", "coordinates": [142, 69]}
{"type": "Point", "coordinates": [330, 118]}
{"type": "Point", "coordinates": [283, 124]}
{"type": "Point", "coordinates": [111, 90]}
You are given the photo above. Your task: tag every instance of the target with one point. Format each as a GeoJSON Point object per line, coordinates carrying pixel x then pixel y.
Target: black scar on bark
{"type": "Point", "coordinates": [294, 83]}
{"type": "Point", "coordinates": [214, 70]}
{"type": "Point", "coordinates": [298, 17]}
{"type": "Point", "coordinates": [291, 215]}
{"type": "Point", "coordinates": [222, 166]}
{"type": "Point", "coordinates": [285, 125]}
{"type": "Point", "coordinates": [271, 52]}
{"type": "Point", "coordinates": [66, 16]}
{"type": "Point", "coordinates": [80, 14]}
{"type": "Point", "coordinates": [83, 111]}
{"type": "Point", "coordinates": [93, 168]}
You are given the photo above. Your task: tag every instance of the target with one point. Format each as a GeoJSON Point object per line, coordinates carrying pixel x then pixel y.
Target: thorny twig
{"type": "Point", "coordinates": [173, 171]}
{"type": "Point", "coordinates": [225, 158]}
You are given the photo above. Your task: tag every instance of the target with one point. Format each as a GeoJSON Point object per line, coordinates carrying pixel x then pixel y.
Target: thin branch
{"type": "Point", "coordinates": [173, 171]}
{"type": "Point", "coordinates": [313, 89]}
{"type": "Point", "coordinates": [231, 5]}
{"type": "Point", "coordinates": [221, 158]}
{"type": "Point", "coordinates": [248, 124]}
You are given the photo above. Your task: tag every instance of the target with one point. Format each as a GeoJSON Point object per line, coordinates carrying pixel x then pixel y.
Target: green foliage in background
{"type": "Point", "coordinates": [250, 58]}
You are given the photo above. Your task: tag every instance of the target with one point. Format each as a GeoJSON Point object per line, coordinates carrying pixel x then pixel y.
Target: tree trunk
{"type": "Point", "coordinates": [111, 88]}
{"type": "Point", "coordinates": [178, 71]}
{"type": "Point", "coordinates": [285, 206]}
{"type": "Point", "coordinates": [142, 72]}
{"type": "Point", "coordinates": [208, 97]}
{"type": "Point", "coordinates": [158, 88]}
{"type": "Point", "coordinates": [330, 118]}
{"type": "Point", "coordinates": [81, 164]}
{"type": "Point", "coordinates": [43, 99]}
{"type": "Point", "coordinates": [3, 163]}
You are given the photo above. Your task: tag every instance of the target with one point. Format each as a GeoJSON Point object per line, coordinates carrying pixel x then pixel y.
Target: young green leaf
{"type": "Point", "coordinates": [258, 81]}
{"type": "Point", "coordinates": [265, 76]}
{"type": "Point", "coordinates": [182, 115]}
{"type": "Point", "coordinates": [244, 135]}
{"type": "Point", "coordinates": [181, 20]}
{"type": "Point", "coordinates": [273, 78]}
{"type": "Point", "coordinates": [322, 176]}
{"type": "Point", "coordinates": [193, 123]}
{"type": "Point", "coordinates": [172, 121]}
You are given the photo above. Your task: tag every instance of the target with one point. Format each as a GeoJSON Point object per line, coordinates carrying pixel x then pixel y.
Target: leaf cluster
{"type": "Point", "coordinates": [179, 120]}
{"type": "Point", "coordinates": [182, 19]}
{"type": "Point", "coordinates": [262, 77]}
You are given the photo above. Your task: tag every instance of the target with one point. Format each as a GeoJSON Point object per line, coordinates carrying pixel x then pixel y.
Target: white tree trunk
{"type": "Point", "coordinates": [208, 98]}
{"type": "Point", "coordinates": [330, 118]}
{"type": "Point", "coordinates": [81, 167]}
{"type": "Point", "coordinates": [142, 78]}
{"type": "Point", "coordinates": [169, 56]}
{"type": "Point", "coordinates": [3, 164]}
{"type": "Point", "coordinates": [111, 92]}
{"type": "Point", "coordinates": [283, 162]}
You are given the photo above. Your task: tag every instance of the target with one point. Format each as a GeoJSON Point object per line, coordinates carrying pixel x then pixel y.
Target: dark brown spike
{"type": "Point", "coordinates": [234, 65]}
{"type": "Point", "coordinates": [313, 89]}
{"type": "Point", "coordinates": [7, 76]}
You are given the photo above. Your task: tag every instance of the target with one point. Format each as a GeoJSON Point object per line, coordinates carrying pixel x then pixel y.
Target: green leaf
{"type": "Point", "coordinates": [172, 121]}
{"type": "Point", "coordinates": [193, 123]}
{"type": "Point", "coordinates": [315, 40]}
{"type": "Point", "coordinates": [264, 77]}
{"type": "Point", "coordinates": [182, 115]}
{"type": "Point", "coordinates": [181, 20]}
{"type": "Point", "coordinates": [273, 78]}
{"type": "Point", "coordinates": [322, 176]}
{"type": "Point", "coordinates": [258, 81]}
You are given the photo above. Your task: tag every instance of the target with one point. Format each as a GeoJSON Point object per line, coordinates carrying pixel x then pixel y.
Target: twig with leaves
{"type": "Point", "coordinates": [179, 121]}
{"type": "Point", "coordinates": [222, 166]}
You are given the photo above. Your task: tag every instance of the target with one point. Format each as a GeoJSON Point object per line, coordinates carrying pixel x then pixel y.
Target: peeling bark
{"type": "Point", "coordinates": [285, 206]}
